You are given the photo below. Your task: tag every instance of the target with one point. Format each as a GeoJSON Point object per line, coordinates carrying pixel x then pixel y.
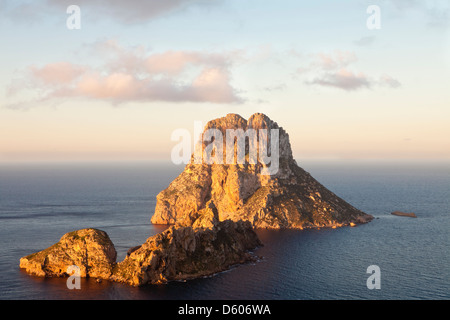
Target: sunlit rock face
{"type": "Point", "coordinates": [90, 250]}
{"type": "Point", "coordinates": [276, 194]}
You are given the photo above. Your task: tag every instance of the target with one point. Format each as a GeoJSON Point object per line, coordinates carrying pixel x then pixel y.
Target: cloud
{"type": "Point", "coordinates": [130, 11]}
{"type": "Point", "coordinates": [211, 85]}
{"type": "Point", "coordinates": [59, 73]}
{"type": "Point", "coordinates": [338, 59]}
{"type": "Point", "coordinates": [133, 75]}
{"type": "Point", "coordinates": [386, 80]}
{"type": "Point", "coordinates": [335, 70]}
{"type": "Point", "coordinates": [127, 12]}
{"type": "Point", "coordinates": [343, 79]}
{"type": "Point", "coordinates": [365, 41]}
{"type": "Point", "coordinates": [279, 87]}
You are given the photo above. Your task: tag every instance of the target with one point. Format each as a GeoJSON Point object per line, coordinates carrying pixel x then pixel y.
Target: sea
{"type": "Point", "coordinates": [40, 202]}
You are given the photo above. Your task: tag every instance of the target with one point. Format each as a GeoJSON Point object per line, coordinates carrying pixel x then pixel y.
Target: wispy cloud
{"type": "Point", "coordinates": [130, 11]}
{"type": "Point", "coordinates": [335, 70]}
{"type": "Point", "coordinates": [342, 79]}
{"type": "Point", "coordinates": [365, 41]}
{"type": "Point", "coordinates": [335, 60]}
{"type": "Point", "coordinates": [387, 80]}
{"type": "Point", "coordinates": [133, 75]}
{"type": "Point", "coordinates": [127, 12]}
{"type": "Point", "coordinates": [278, 87]}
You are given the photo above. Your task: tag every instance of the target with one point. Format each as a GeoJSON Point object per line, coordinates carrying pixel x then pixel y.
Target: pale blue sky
{"type": "Point", "coordinates": [137, 70]}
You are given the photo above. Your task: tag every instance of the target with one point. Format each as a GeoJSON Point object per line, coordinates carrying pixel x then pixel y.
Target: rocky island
{"type": "Point", "coordinates": [212, 210]}
{"type": "Point", "coordinates": [90, 250]}
{"type": "Point", "coordinates": [404, 214]}
{"type": "Point", "coordinates": [290, 198]}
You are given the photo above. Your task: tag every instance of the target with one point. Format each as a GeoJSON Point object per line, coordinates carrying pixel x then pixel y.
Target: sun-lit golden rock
{"type": "Point", "coordinates": [89, 249]}
{"type": "Point", "coordinates": [290, 198]}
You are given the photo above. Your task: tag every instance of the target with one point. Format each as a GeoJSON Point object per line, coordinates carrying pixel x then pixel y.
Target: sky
{"type": "Point", "coordinates": [116, 79]}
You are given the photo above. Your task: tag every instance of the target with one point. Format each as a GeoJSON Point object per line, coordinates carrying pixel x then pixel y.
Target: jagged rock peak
{"type": "Point", "coordinates": [287, 197]}
{"type": "Point", "coordinates": [256, 122]}
{"type": "Point", "coordinates": [235, 121]}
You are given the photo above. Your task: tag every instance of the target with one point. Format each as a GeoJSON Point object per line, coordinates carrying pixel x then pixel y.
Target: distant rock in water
{"type": "Point", "coordinates": [288, 198]}
{"type": "Point", "coordinates": [404, 214]}
{"type": "Point", "coordinates": [89, 249]}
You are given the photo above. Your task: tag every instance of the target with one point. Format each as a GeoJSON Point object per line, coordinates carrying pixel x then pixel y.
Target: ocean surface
{"type": "Point", "coordinates": [41, 202]}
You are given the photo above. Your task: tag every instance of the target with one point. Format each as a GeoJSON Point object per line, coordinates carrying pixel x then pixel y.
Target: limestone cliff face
{"type": "Point", "coordinates": [289, 198]}
{"type": "Point", "coordinates": [89, 249]}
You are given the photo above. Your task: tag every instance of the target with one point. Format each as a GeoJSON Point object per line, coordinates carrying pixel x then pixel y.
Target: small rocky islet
{"type": "Point", "coordinates": [212, 210]}
{"type": "Point", "coordinates": [404, 214]}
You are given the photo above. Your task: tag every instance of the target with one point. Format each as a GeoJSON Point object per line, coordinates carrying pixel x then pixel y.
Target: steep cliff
{"type": "Point", "coordinates": [287, 197]}
{"type": "Point", "coordinates": [181, 253]}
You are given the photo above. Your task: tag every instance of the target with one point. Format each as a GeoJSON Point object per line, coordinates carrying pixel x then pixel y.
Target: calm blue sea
{"type": "Point", "coordinates": [41, 202]}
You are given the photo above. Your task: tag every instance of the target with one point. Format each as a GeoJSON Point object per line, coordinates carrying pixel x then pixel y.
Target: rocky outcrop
{"type": "Point", "coordinates": [89, 249]}
{"type": "Point", "coordinates": [178, 253]}
{"type": "Point", "coordinates": [181, 253]}
{"type": "Point", "coordinates": [288, 198]}
{"type": "Point", "coordinates": [404, 214]}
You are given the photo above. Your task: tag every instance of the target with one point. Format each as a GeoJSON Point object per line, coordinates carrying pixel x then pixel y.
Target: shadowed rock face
{"type": "Point", "coordinates": [181, 253]}
{"type": "Point", "coordinates": [290, 198]}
